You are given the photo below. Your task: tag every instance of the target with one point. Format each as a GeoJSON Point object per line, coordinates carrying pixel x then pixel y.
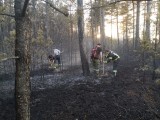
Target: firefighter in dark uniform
{"type": "Point", "coordinates": [112, 56]}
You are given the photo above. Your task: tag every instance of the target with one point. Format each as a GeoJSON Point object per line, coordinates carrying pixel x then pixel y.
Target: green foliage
{"type": "Point", "coordinates": [2, 19]}
{"type": "Point", "coordinates": [145, 53]}
{"type": "Point", "coordinates": [145, 68]}
{"type": "Point", "coordinates": [9, 43]}
{"type": "Point", "coordinates": [149, 47]}
{"type": "Point", "coordinates": [95, 13]}
{"type": "Point", "coordinates": [157, 53]}
{"type": "Point", "coordinates": [157, 71]}
{"type": "Point", "coordinates": [123, 8]}
{"type": "Point", "coordinates": [157, 82]}
{"type": "Point", "coordinates": [145, 45]}
{"type": "Point", "coordinates": [64, 8]}
{"type": "Point", "coordinates": [40, 46]}
{"type": "Point", "coordinates": [149, 51]}
{"type": "Point", "coordinates": [2, 8]}
{"type": "Point", "coordinates": [41, 41]}
{"type": "Point", "coordinates": [3, 55]}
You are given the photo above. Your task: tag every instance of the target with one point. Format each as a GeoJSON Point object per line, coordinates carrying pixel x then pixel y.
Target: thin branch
{"type": "Point", "coordinates": [101, 6]}
{"type": "Point", "coordinates": [9, 15]}
{"type": "Point", "coordinates": [51, 5]}
{"type": "Point", "coordinates": [4, 59]}
{"type": "Point", "coordinates": [25, 7]}
{"type": "Point", "coordinates": [106, 4]}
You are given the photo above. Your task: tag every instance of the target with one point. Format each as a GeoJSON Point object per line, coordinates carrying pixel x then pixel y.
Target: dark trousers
{"type": "Point", "coordinates": [57, 57]}
{"type": "Point", "coordinates": [115, 64]}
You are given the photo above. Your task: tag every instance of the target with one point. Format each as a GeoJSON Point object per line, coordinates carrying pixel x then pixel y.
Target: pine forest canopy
{"type": "Point", "coordinates": [104, 21]}
{"type": "Point", "coordinates": [31, 29]}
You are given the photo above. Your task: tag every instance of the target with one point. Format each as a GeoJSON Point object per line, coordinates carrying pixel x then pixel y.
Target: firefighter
{"type": "Point", "coordinates": [96, 58]}
{"type": "Point", "coordinates": [110, 56]}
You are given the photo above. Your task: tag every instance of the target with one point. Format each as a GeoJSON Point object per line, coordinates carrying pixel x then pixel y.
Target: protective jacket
{"type": "Point", "coordinates": [111, 56]}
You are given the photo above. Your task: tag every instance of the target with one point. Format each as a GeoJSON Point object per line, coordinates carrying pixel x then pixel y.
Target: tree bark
{"type": "Point", "coordinates": [117, 27]}
{"type": "Point", "coordinates": [144, 24]}
{"type": "Point", "coordinates": [46, 22]}
{"type": "Point", "coordinates": [85, 64]}
{"type": "Point", "coordinates": [133, 25]}
{"type": "Point", "coordinates": [137, 25]}
{"type": "Point", "coordinates": [92, 26]}
{"type": "Point", "coordinates": [102, 33]}
{"type": "Point", "coordinates": [22, 50]}
{"type": "Point", "coordinates": [148, 20]}
{"type": "Point", "coordinates": [126, 42]}
{"type": "Point", "coordinates": [159, 21]}
{"type": "Point", "coordinates": [34, 25]}
{"type": "Point", "coordinates": [155, 51]}
{"type": "Point", "coordinates": [111, 28]}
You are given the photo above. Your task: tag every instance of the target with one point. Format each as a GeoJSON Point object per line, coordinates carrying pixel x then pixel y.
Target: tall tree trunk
{"type": "Point", "coordinates": [144, 23]}
{"type": "Point", "coordinates": [85, 64]}
{"type": "Point", "coordinates": [22, 50]}
{"type": "Point", "coordinates": [111, 28]}
{"type": "Point", "coordinates": [133, 25]}
{"type": "Point", "coordinates": [123, 36]}
{"type": "Point", "coordinates": [46, 22]}
{"type": "Point", "coordinates": [155, 51]}
{"type": "Point", "coordinates": [159, 21]}
{"type": "Point", "coordinates": [102, 33]}
{"type": "Point", "coordinates": [148, 20]}
{"type": "Point", "coordinates": [92, 27]}
{"type": "Point", "coordinates": [34, 19]}
{"type": "Point", "coordinates": [71, 36]}
{"type": "Point", "coordinates": [137, 26]}
{"type": "Point", "coordinates": [10, 28]}
{"type": "Point", "coordinates": [3, 46]}
{"type": "Point", "coordinates": [117, 27]}
{"type": "Point", "coordinates": [1, 32]}
{"type": "Point", "coordinates": [127, 43]}
{"type": "Point", "coordinates": [96, 24]}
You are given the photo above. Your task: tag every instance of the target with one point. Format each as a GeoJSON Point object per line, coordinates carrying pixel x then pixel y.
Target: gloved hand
{"type": "Point", "coordinates": [110, 58]}
{"type": "Point", "coordinates": [105, 62]}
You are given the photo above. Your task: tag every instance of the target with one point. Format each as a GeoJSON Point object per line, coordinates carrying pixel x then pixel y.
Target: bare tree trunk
{"type": "Point", "coordinates": [46, 22]}
{"type": "Point", "coordinates": [155, 51]}
{"type": "Point", "coordinates": [96, 24]}
{"type": "Point", "coordinates": [22, 50]}
{"type": "Point", "coordinates": [34, 27]}
{"type": "Point", "coordinates": [102, 33]}
{"type": "Point", "coordinates": [111, 28]}
{"type": "Point", "coordinates": [10, 28]}
{"type": "Point", "coordinates": [144, 22]}
{"type": "Point", "coordinates": [3, 47]}
{"type": "Point", "coordinates": [126, 42]}
{"type": "Point", "coordinates": [92, 27]}
{"type": "Point", "coordinates": [123, 38]}
{"type": "Point", "coordinates": [85, 64]}
{"type": "Point", "coordinates": [137, 25]}
{"type": "Point", "coordinates": [148, 20]}
{"type": "Point", "coordinates": [34, 19]}
{"type": "Point", "coordinates": [71, 36]}
{"type": "Point", "coordinates": [133, 25]}
{"type": "Point", "coordinates": [159, 21]}
{"type": "Point", "coordinates": [118, 28]}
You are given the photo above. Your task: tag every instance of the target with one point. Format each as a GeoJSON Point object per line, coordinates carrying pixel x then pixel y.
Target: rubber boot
{"type": "Point", "coordinates": [115, 72]}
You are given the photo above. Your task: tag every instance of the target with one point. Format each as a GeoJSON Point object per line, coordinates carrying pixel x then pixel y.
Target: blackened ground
{"type": "Point", "coordinates": [129, 96]}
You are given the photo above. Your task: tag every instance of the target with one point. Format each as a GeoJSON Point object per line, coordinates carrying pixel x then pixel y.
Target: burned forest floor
{"type": "Point", "coordinates": [68, 95]}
